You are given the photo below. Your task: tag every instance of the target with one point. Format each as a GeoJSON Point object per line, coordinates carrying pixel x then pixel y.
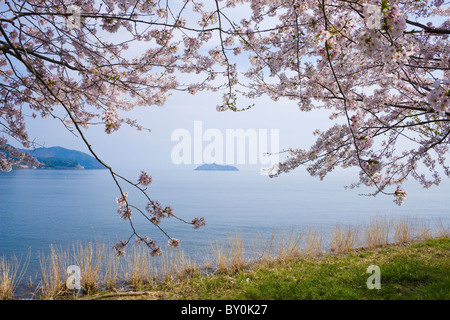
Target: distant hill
{"type": "Point", "coordinates": [59, 157]}
{"type": "Point", "coordinates": [215, 167]}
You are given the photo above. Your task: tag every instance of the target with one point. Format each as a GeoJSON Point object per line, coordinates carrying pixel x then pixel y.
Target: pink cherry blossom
{"type": "Point", "coordinates": [122, 200]}
{"type": "Point", "coordinates": [120, 248]}
{"type": "Point", "coordinates": [198, 222]}
{"type": "Point", "coordinates": [125, 213]}
{"type": "Point", "coordinates": [145, 179]}
{"type": "Point", "coordinates": [400, 195]}
{"type": "Point", "coordinates": [173, 242]}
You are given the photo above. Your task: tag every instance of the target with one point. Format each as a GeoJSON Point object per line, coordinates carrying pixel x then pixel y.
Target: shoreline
{"type": "Point", "coordinates": [102, 271]}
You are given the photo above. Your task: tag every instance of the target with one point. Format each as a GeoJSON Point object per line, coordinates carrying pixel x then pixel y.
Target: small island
{"type": "Point", "coordinates": [215, 167]}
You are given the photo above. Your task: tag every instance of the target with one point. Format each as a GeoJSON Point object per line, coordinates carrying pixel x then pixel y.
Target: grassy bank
{"type": "Point", "coordinates": [413, 260]}
{"type": "Point", "coordinates": [408, 271]}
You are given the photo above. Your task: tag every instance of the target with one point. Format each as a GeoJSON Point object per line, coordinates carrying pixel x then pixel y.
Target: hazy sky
{"type": "Point", "coordinates": [146, 150]}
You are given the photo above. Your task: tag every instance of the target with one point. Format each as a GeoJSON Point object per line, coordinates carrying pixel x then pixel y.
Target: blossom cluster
{"type": "Point", "coordinates": [157, 212]}
{"type": "Point", "coordinates": [372, 42]}
{"type": "Point", "coordinates": [145, 179]}
{"type": "Point", "coordinates": [5, 165]}
{"type": "Point", "coordinates": [363, 138]}
{"type": "Point", "coordinates": [173, 242]}
{"type": "Point", "coordinates": [122, 200]}
{"type": "Point", "coordinates": [372, 166]}
{"type": "Point", "coordinates": [120, 248]}
{"type": "Point", "coordinates": [370, 173]}
{"type": "Point", "coordinates": [152, 244]}
{"type": "Point", "coordinates": [124, 211]}
{"type": "Point", "coordinates": [395, 21]}
{"type": "Point", "coordinates": [112, 121]}
{"type": "Point", "coordinates": [439, 96]}
{"type": "Point", "coordinates": [198, 222]}
{"type": "Point", "coordinates": [400, 195]}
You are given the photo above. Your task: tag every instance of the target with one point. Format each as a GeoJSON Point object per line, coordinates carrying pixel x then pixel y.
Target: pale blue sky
{"type": "Point", "coordinates": [146, 150]}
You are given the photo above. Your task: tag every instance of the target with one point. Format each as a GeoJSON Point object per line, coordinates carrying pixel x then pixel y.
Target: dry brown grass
{"type": "Point", "coordinates": [11, 274]}
{"type": "Point", "coordinates": [90, 258]}
{"type": "Point", "coordinates": [262, 249]}
{"type": "Point", "coordinates": [289, 245]}
{"type": "Point", "coordinates": [424, 232]}
{"type": "Point", "coordinates": [229, 258]}
{"type": "Point", "coordinates": [313, 246]}
{"type": "Point", "coordinates": [376, 233]}
{"type": "Point", "coordinates": [175, 264]}
{"type": "Point", "coordinates": [344, 239]}
{"type": "Point", "coordinates": [284, 246]}
{"type": "Point", "coordinates": [53, 273]}
{"type": "Point", "coordinates": [140, 270]}
{"type": "Point", "coordinates": [111, 269]}
{"type": "Point", "coordinates": [442, 231]}
{"type": "Point", "coordinates": [407, 229]}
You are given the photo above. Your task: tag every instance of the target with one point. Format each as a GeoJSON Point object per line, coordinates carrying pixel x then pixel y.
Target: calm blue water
{"type": "Point", "coordinates": [39, 207]}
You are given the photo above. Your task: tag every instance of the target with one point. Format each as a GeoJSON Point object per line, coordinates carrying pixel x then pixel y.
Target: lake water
{"type": "Point", "coordinates": [43, 207]}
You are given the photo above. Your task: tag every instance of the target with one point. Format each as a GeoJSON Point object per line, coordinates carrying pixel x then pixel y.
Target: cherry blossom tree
{"type": "Point", "coordinates": [380, 67]}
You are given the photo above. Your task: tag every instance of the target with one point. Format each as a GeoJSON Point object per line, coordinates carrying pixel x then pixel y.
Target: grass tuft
{"type": "Point", "coordinates": [11, 274]}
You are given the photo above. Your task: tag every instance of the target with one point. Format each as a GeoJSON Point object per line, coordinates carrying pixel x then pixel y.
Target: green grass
{"type": "Point", "coordinates": [416, 271]}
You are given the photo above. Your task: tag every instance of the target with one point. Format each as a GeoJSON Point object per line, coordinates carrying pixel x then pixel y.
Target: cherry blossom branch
{"type": "Point", "coordinates": [124, 208]}
{"type": "Point", "coordinates": [428, 29]}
